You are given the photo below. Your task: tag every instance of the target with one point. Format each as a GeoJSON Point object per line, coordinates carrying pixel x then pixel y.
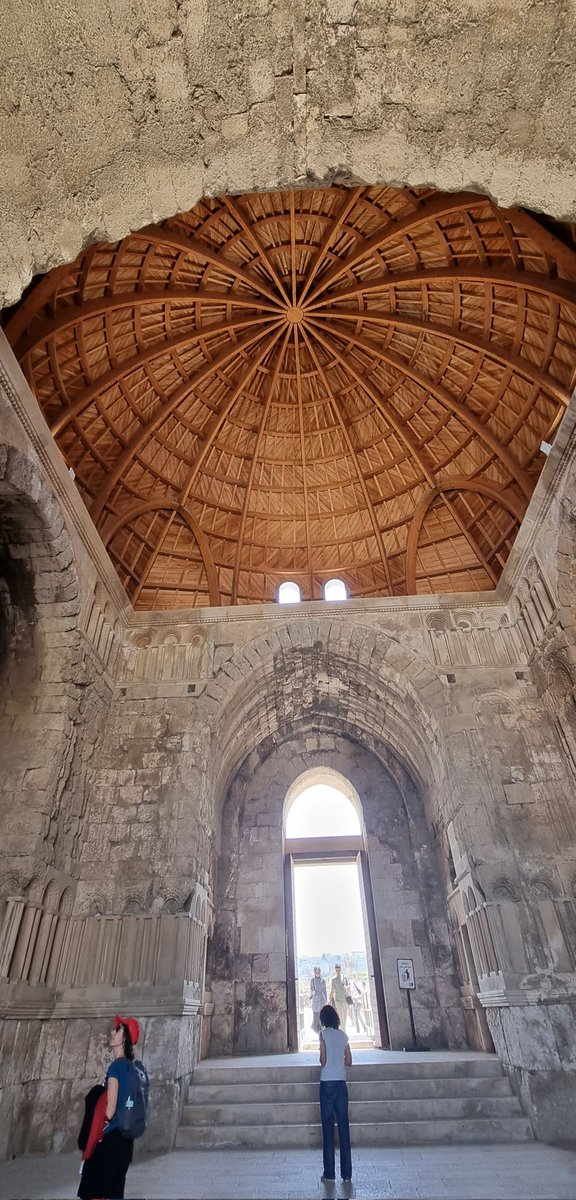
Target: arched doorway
{"type": "Point", "coordinates": [248, 974]}
{"type": "Point", "coordinates": [330, 922]}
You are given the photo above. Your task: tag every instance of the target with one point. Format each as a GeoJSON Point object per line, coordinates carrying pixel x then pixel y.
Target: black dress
{"type": "Point", "coordinates": [104, 1173]}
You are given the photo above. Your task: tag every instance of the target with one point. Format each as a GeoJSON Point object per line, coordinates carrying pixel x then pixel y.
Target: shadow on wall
{"type": "Point", "coordinates": [17, 602]}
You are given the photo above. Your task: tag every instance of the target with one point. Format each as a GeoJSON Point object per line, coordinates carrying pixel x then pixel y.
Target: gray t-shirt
{"type": "Point", "coordinates": [335, 1041]}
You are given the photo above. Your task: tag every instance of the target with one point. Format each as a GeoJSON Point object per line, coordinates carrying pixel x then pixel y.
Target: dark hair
{"type": "Point", "coordinates": [329, 1018]}
{"type": "Point", "coordinates": [127, 1042]}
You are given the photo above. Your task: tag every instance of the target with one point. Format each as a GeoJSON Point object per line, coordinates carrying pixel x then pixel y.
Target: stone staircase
{"type": "Point", "coordinates": [395, 1100]}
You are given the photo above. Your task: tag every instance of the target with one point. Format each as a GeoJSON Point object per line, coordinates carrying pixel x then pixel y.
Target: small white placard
{"type": "Point", "coordinates": [406, 973]}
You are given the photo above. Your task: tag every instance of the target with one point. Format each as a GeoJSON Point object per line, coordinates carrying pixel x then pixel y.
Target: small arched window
{"type": "Point", "coordinates": [288, 593]}
{"type": "Point", "coordinates": [335, 589]}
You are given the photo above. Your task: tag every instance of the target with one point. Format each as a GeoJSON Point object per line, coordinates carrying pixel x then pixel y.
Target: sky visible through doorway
{"type": "Point", "coordinates": [328, 910]}
{"type": "Point", "coordinates": [326, 895]}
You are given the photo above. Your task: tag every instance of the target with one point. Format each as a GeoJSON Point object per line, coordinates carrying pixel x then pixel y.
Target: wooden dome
{"type": "Point", "coordinates": [349, 383]}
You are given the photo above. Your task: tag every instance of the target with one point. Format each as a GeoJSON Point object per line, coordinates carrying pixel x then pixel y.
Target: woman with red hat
{"type": "Point", "coordinates": [107, 1153]}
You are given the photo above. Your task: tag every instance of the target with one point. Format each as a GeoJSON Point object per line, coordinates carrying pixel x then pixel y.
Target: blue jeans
{"type": "Point", "coordinates": [334, 1103]}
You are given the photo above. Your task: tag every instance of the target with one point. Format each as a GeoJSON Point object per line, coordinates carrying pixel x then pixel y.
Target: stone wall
{"type": "Point", "coordinates": [65, 968]}
{"type": "Point", "coordinates": [126, 114]}
{"type": "Point", "coordinates": [131, 731]}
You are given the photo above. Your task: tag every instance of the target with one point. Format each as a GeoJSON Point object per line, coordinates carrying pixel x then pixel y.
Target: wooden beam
{"type": "Point", "coordinates": [234, 206]}
{"type": "Point", "coordinates": [454, 333]}
{"type": "Point", "coordinates": [161, 236]}
{"type": "Point", "coordinates": [386, 409]}
{"type": "Point", "coordinates": [438, 206]}
{"type": "Point", "coordinates": [558, 251]}
{"type": "Point", "coordinates": [333, 228]}
{"type": "Point", "coordinates": [303, 454]}
{"type": "Point", "coordinates": [176, 508]}
{"type": "Point", "coordinates": [165, 410]}
{"type": "Point", "coordinates": [109, 378]}
{"type": "Point", "coordinates": [458, 407]}
{"type": "Point", "coordinates": [530, 281]}
{"type": "Point", "coordinates": [211, 432]}
{"type": "Point", "coordinates": [73, 314]}
{"type": "Point", "coordinates": [253, 465]}
{"type": "Point", "coordinates": [346, 435]}
{"type": "Point", "coordinates": [457, 483]}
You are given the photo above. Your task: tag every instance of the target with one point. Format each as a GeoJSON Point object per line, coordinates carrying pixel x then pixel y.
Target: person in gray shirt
{"type": "Point", "coordinates": [335, 1056]}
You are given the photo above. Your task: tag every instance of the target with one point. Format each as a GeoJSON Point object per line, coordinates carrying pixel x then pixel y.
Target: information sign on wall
{"type": "Point", "coordinates": [406, 973]}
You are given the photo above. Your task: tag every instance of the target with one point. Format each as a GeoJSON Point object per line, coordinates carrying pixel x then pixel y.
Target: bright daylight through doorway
{"type": "Point", "coordinates": [328, 918]}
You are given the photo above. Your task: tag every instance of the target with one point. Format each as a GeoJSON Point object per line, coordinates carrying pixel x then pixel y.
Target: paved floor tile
{"type": "Point", "coordinates": [527, 1171]}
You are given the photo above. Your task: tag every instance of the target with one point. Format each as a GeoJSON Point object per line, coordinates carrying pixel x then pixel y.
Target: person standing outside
{"type": "Point", "coordinates": [318, 997]}
{"type": "Point", "coordinates": [335, 1056]}
{"type": "Point", "coordinates": [357, 999]}
{"type": "Point", "coordinates": [337, 997]}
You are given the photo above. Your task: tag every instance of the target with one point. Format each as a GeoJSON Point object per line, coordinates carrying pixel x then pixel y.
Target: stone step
{"type": "Point", "coordinates": [484, 1067]}
{"type": "Point", "coordinates": [372, 1112]}
{"type": "Point", "coordinates": [373, 1089]}
{"type": "Point", "coordinates": [391, 1133]}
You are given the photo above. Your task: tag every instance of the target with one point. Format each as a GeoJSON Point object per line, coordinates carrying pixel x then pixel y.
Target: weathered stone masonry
{"type": "Point", "coordinates": [128, 742]}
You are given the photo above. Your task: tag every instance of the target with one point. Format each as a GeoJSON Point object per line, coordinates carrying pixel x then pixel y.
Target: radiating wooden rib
{"type": "Point", "coordinates": [451, 403]}
{"type": "Point", "coordinates": [333, 229]}
{"type": "Point", "coordinates": [35, 300]}
{"type": "Point", "coordinates": [235, 208]}
{"type": "Point", "coordinates": [527, 280]}
{"type": "Point", "coordinates": [206, 253]}
{"type": "Point", "coordinates": [211, 432]}
{"type": "Point", "coordinates": [354, 457]}
{"type": "Point", "coordinates": [490, 288]}
{"type": "Point", "coordinates": [546, 241]}
{"type": "Point", "coordinates": [253, 465]}
{"type": "Point", "coordinates": [459, 484]}
{"type": "Point", "coordinates": [157, 350]}
{"type": "Point", "coordinates": [172, 403]}
{"type": "Point", "coordinates": [73, 314]}
{"type": "Point", "coordinates": [200, 537]}
{"type": "Point", "coordinates": [453, 333]}
{"type": "Point", "coordinates": [303, 453]}
{"type": "Point", "coordinates": [437, 207]}
{"type": "Point", "coordinates": [293, 251]}
{"type": "Point", "coordinates": [386, 409]}
{"type": "Point", "coordinates": [152, 559]}
{"type": "Point", "coordinates": [469, 538]}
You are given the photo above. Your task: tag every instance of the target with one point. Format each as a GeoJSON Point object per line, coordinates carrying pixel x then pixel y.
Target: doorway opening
{"type": "Point", "coordinates": [331, 943]}
{"type": "Point", "coordinates": [330, 949]}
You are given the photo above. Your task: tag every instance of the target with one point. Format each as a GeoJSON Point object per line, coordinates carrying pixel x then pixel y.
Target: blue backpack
{"type": "Point", "coordinates": [132, 1118]}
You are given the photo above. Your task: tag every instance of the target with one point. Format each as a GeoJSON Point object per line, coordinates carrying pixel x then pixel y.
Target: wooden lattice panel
{"type": "Point", "coordinates": [302, 385]}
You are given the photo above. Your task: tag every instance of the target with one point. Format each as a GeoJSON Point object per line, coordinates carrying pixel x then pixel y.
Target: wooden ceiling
{"type": "Point", "coordinates": [302, 385]}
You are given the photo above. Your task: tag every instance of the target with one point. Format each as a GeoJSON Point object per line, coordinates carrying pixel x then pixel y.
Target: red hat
{"type": "Point", "coordinates": [131, 1025]}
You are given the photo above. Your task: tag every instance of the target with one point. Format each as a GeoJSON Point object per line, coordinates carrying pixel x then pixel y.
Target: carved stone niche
{"type": "Point", "coordinates": [465, 621]}
{"type": "Point", "coordinates": [493, 706]}
{"type": "Point", "coordinates": [439, 622]}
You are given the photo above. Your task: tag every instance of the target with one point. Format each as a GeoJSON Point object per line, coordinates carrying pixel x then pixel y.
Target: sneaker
{"type": "Point", "coordinates": [327, 1179]}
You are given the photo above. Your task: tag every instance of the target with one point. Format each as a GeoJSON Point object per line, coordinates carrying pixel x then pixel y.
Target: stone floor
{"type": "Point", "coordinates": [527, 1171]}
